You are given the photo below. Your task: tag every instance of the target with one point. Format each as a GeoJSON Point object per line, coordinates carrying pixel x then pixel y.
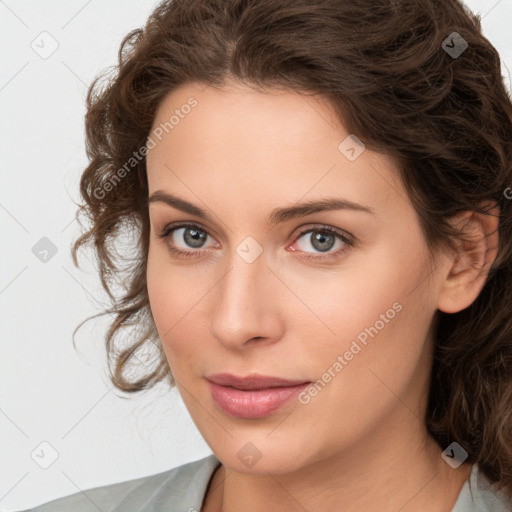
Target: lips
{"type": "Point", "coordinates": [252, 381]}
{"type": "Point", "coordinates": [252, 396]}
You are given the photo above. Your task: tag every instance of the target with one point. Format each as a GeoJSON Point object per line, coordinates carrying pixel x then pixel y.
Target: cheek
{"type": "Point", "coordinates": [346, 300]}
{"type": "Point", "coordinates": [167, 294]}
{"type": "Point", "coordinates": [177, 300]}
{"type": "Point", "coordinates": [382, 366]}
{"type": "Point", "coordinates": [376, 310]}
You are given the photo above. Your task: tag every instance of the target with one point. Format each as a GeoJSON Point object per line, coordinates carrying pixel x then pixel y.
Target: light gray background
{"type": "Point", "coordinates": [48, 391]}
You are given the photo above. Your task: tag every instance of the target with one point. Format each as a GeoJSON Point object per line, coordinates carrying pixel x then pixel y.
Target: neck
{"type": "Point", "coordinates": [408, 475]}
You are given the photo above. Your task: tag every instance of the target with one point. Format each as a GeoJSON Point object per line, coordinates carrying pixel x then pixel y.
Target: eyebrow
{"type": "Point", "coordinates": [276, 216]}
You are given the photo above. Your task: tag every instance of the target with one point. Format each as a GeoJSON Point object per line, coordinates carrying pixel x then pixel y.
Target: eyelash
{"type": "Point", "coordinates": [348, 241]}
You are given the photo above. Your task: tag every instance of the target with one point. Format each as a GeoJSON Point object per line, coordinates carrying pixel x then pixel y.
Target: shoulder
{"type": "Point", "coordinates": [478, 495]}
{"type": "Point", "coordinates": [181, 488]}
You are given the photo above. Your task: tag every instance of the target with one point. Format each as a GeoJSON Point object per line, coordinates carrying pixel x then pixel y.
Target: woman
{"type": "Point", "coordinates": [321, 195]}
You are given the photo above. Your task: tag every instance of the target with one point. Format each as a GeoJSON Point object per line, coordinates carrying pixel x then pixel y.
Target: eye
{"type": "Point", "coordinates": [190, 235]}
{"type": "Point", "coordinates": [323, 239]}
{"type": "Point", "coordinates": [183, 236]}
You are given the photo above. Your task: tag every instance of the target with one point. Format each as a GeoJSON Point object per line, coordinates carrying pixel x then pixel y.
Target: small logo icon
{"type": "Point", "coordinates": [249, 249]}
{"type": "Point", "coordinates": [454, 45]}
{"type": "Point", "coordinates": [249, 454]}
{"type": "Point", "coordinates": [44, 455]}
{"type": "Point", "coordinates": [45, 45]}
{"type": "Point", "coordinates": [44, 250]}
{"type": "Point", "coordinates": [454, 455]}
{"type": "Point", "coordinates": [351, 147]}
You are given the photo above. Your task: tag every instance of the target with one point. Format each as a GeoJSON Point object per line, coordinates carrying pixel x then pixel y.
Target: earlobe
{"type": "Point", "coordinates": [469, 267]}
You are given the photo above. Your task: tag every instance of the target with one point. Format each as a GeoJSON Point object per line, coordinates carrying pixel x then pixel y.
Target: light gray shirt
{"type": "Point", "coordinates": [183, 489]}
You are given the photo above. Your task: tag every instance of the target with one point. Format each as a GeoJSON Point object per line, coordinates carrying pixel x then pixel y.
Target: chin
{"type": "Point", "coordinates": [261, 458]}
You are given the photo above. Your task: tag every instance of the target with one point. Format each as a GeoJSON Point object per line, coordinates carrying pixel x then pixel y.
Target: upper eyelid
{"type": "Point", "coordinates": [172, 227]}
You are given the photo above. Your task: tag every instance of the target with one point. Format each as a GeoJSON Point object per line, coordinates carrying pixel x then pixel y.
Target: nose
{"type": "Point", "coordinates": [246, 305]}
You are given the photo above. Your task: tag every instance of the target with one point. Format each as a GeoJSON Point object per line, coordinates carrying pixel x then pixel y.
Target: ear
{"type": "Point", "coordinates": [470, 265]}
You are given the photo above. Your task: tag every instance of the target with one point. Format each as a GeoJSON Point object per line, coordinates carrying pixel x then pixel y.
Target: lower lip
{"type": "Point", "coordinates": [253, 403]}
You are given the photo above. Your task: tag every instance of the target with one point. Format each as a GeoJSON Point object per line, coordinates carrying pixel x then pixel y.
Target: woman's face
{"type": "Point", "coordinates": [274, 294]}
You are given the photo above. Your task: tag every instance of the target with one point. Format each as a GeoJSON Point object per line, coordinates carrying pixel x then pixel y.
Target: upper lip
{"type": "Point", "coordinates": [252, 381]}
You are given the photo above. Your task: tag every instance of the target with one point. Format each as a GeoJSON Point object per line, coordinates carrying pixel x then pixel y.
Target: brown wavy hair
{"type": "Point", "coordinates": [385, 68]}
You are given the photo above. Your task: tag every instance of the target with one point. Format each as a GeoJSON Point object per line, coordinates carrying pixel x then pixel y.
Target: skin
{"type": "Point", "coordinates": [360, 443]}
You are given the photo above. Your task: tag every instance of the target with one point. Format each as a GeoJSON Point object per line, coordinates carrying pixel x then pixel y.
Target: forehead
{"type": "Point", "coordinates": [278, 146]}
{"type": "Point", "coordinates": [246, 117]}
